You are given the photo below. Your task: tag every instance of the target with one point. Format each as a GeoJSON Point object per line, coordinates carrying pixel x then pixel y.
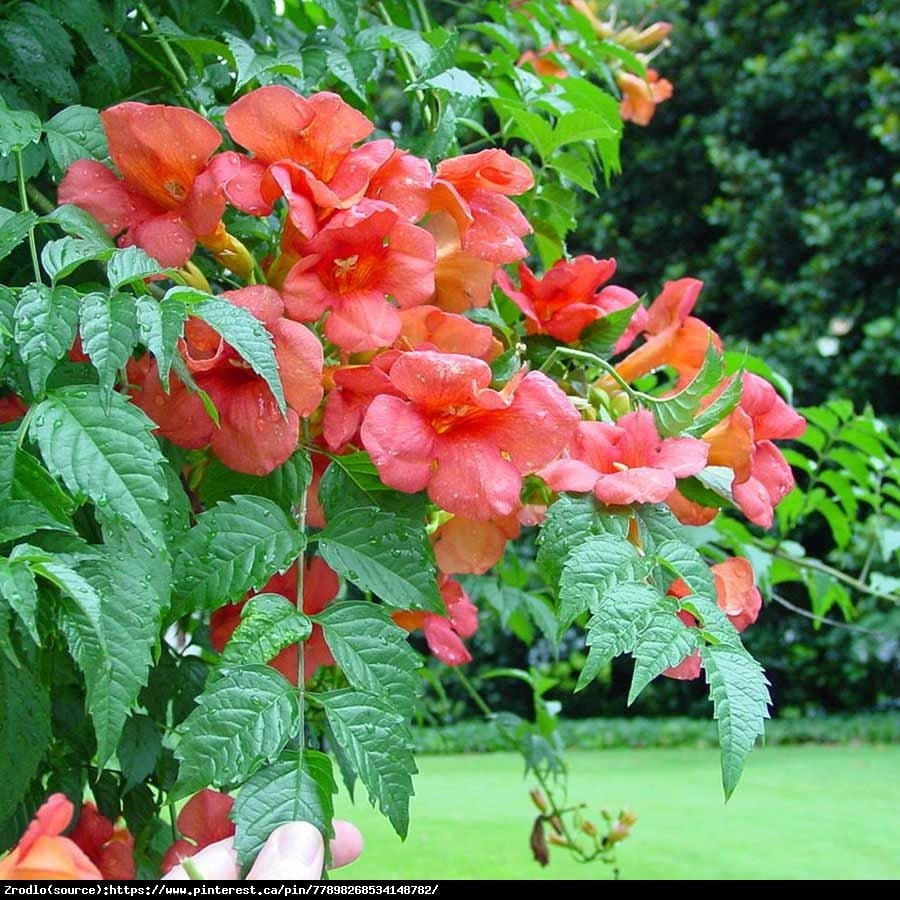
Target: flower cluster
{"type": "Point", "coordinates": [641, 92]}
{"type": "Point", "coordinates": [369, 301]}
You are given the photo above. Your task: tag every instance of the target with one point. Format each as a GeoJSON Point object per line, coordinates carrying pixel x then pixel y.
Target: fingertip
{"type": "Point", "coordinates": [294, 850]}
{"type": "Point", "coordinates": [347, 844]}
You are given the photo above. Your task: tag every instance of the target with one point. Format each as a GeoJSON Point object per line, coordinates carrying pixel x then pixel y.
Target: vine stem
{"type": "Point", "coordinates": [148, 17]}
{"type": "Point", "coordinates": [563, 352]}
{"type": "Point", "coordinates": [300, 514]}
{"type": "Point", "coordinates": [837, 574]}
{"type": "Point", "coordinates": [406, 60]}
{"type": "Point", "coordinates": [23, 199]}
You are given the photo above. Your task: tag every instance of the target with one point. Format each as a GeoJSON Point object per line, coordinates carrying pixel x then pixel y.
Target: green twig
{"type": "Point", "coordinates": [407, 63]}
{"type": "Point", "coordinates": [300, 513]}
{"type": "Point", "coordinates": [23, 199]}
{"type": "Point", "coordinates": [147, 16]}
{"type": "Point", "coordinates": [816, 565]}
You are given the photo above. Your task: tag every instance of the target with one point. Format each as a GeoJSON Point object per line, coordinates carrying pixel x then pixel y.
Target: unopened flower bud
{"type": "Point", "coordinates": [558, 840]}
{"type": "Point", "coordinates": [557, 824]}
{"type": "Point", "coordinates": [646, 39]}
{"type": "Point", "coordinates": [620, 403]}
{"type": "Point", "coordinates": [627, 817]}
{"type": "Point", "coordinates": [589, 828]}
{"type": "Point", "coordinates": [538, 799]}
{"type": "Point", "coordinates": [538, 842]}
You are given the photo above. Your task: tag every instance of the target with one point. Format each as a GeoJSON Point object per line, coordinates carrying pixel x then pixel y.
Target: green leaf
{"type": "Point", "coordinates": [569, 521]}
{"type": "Point", "coordinates": [240, 328]}
{"type": "Point", "coordinates": [24, 732]}
{"type": "Point", "coordinates": [840, 525]}
{"type": "Point", "coordinates": [372, 652]}
{"type": "Point", "coordinates": [242, 719]}
{"type": "Point", "coordinates": [22, 477]}
{"type": "Point", "coordinates": [296, 788]}
{"type": "Point", "coordinates": [664, 642]}
{"type": "Point", "coordinates": [601, 336]}
{"type": "Point", "coordinates": [76, 222]}
{"type": "Point", "coordinates": [108, 456]}
{"type": "Point", "coordinates": [115, 651]}
{"type": "Point", "coordinates": [383, 553]}
{"type": "Point", "coordinates": [19, 518]}
{"type": "Point", "coordinates": [353, 482]}
{"type": "Point", "coordinates": [60, 258]}
{"type": "Point", "coordinates": [108, 334]}
{"type": "Point", "coordinates": [717, 410]}
{"type": "Point", "coordinates": [161, 327]}
{"type": "Point", "coordinates": [46, 325]}
{"type": "Point", "coordinates": [529, 126]}
{"type": "Point", "coordinates": [592, 568]}
{"type": "Point", "coordinates": [739, 691]}
{"type": "Point", "coordinates": [139, 749]}
{"type": "Point", "coordinates": [14, 229]}
{"type": "Point", "coordinates": [18, 129]}
{"type": "Point", "coordinates": [18, 588]}
{"type": "Point", "coordinates": [657, 525]}
{"type": "Point", "coordinates": [686, 563]}
{"type": "Point", "coordinates": [41, 52]}
{"type": "Point", "coordinates": [676, 413]}
{"type": "Point", "coordinates": [75, 133]}
{"type": "Point", "coordinates": [457, 81]}
{"type": "Point", "coordinates": [131, 264]}
{"type": "Point", "coordinates": [87, 19]}
{"type": "Point", "coordinates": [343, 13]}
{"type": "Point", "coordinates": [235, 547]}
{"type": "Point", "coordinates": [384, 37]}
{"type": "Point", "coordinates": [619, 616]}
{"type": "Point", "coordinates": [269, 623]}
{"type": "Point", "coordinates": [580, 126]}
{"type": "Point", "coordinates": [284, 485]}
{"type": "Point", "coordinates": [378, 745]}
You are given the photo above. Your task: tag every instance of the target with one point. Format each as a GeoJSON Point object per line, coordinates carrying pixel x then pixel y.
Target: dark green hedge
{"type": "Point", "coordinates": [609, 734]}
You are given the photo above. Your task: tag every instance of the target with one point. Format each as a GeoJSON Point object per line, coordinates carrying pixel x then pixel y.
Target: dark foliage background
{"type": "Point", "coordinates": [772, 175]}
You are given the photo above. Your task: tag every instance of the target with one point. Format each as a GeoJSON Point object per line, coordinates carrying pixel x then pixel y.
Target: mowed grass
{"type": "Point", "coordinates": [814, 812]}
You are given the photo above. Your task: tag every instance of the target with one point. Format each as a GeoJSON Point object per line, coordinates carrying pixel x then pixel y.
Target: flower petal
{"type": "Point", "coordinates": [401, 443]}
{"type": "Point", "coordinates": [363, 321]}
{"type": "Point", "coordinates": [159, 149]}
{"type": "Point", "coordinates": [444, 642]}
{"type": "Point", "coordinates": [270, 122]}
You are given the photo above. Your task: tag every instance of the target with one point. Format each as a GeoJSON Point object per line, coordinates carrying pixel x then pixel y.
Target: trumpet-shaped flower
{"type": "Point", "coordinates": [469, 445]}
{"type": "Point", "coordinates": [43, 854]}
{"type": "Point", "coordinates": [475, 189]}
{"type": "Point", "coordinates": [566, 299]}
{"type": "Point", "coordinates": [252, 435]}
{"type": "Point", "coordinates": [627, 462]}
{"type": "Point", "coordinates": [674, 337]}
{"type": "Point", "coordinates": [303, 149]}
{"type": "Point", "coordinates": [360, 258]}
{"type": "Point", "coordinates": [109, 848]}
{"type": "Point", "coordinates": [444, 634]}
{"type": "Point", "coordinates": [166, 198]}
{"type": "Point", "coordinates": [640, 98]}
{"type": "Point", "coordinates": [743, 442]}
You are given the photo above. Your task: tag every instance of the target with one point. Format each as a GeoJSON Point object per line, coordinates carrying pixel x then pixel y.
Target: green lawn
{"type": "Point", "coordinates": [800, 812]}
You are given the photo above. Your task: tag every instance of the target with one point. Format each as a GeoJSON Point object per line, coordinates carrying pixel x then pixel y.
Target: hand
{"type": "Point", "coordinates": [293, 852]}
